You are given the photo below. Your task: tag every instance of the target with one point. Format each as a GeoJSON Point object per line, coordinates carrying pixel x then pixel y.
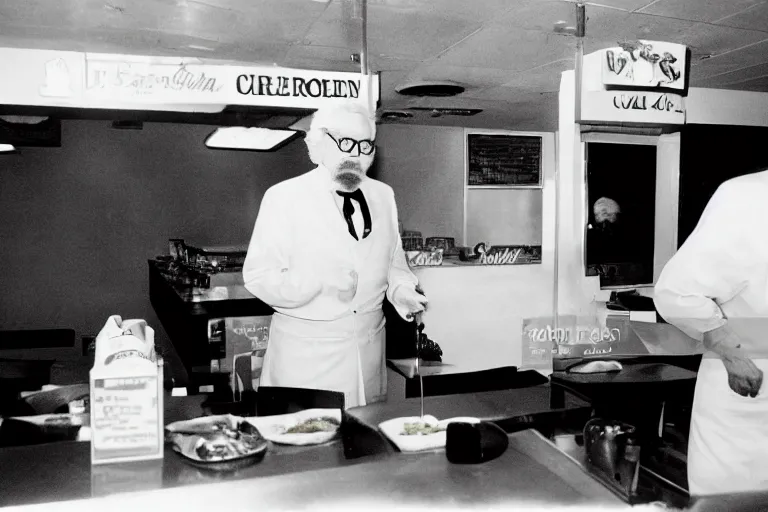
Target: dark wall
{"type": "Point", "coordinates": [710, 155]}
{"type": "Point", "coordinates": [78, 223]}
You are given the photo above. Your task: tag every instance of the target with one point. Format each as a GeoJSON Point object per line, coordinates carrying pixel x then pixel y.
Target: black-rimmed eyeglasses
{"type": "Point", "coordinates": [347, 145]}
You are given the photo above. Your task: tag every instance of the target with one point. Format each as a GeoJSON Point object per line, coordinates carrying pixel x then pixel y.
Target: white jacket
{"type": "Point", "coordinates": [299, 242]}
{"type": "Point", "coordinates": [719, 276]}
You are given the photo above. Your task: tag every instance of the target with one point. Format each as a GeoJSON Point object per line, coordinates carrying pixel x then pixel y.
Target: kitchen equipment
{"type": "Point", "coordinates": [613, 454]}
{"type": "Point", "coordinates": [474, 443]}
{"type": "Point", "coordinates": [419, 330]}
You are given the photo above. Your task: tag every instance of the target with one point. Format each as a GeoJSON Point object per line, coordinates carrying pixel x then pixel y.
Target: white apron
{"type": "Point", "coordinates": [728, 443]}
{"type": "Point", "coordinates": [345, 355]}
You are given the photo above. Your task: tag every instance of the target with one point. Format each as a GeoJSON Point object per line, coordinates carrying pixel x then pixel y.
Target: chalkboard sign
{"type": "Point", "coordinates": [503, 160]}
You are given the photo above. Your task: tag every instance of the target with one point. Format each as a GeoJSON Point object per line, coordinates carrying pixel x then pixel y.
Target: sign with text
{"type": "Point", "coordinates": [481, 254]}
{"type": "Point", "coordinates": [132, 80]}
{"type": "Point", "coordinates": [645, 64]}
{"type": "Point", "coordinates": [126, 418]}
{"type": "Point", "coordinates": [94, 80]}
{"type": "Point", "coordinates": [632, 107]}
{"type": "Point", "coordinates": [571, 336]}
{"type": "Point", "coordinates": [425, 258]}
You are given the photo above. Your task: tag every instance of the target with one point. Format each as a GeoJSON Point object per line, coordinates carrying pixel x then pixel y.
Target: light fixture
{"type": "Point", "coordinates": [249, 139]}
{"type": "Point", "coordinates": [7, 148]}
{"type": "Point", "coordinates": [440, 89]}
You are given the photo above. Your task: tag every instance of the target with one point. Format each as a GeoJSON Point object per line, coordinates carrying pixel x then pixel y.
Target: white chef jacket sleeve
{"type": "Point", "coordinates": [713, 265]}
{"type": "Point", "coordinates": [400, 275]}
{"type": "Point", "coordinates": [266, 270]}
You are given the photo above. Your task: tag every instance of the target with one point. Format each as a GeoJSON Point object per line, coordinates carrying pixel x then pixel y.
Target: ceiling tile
{"type": "Point", "coordinates": [471, 77]}
{"type": "Point", "coordinates": [392, 63]}
{"type": "Point", "coordinates": [532, 82]}
{"type": "Point", "coordinates": [137, 42]}
{"type": "Point", "coordinates": [726, 63]}
{"type": "Point", "coordinates": [189, 18]}
{"type": "Point", "coordinates": [419, 35]}
{"type": "Point", "coordinates": [698, 10]}
{"type": "Point", "coordinates": [545, 78]}
{"type": "Point", "coordinates": [324, 58]}
{"type": "Point", "coordinates": [511, 94]}
{"type": "Point", "coordinates": [706, 39]}
{"type": "Point", "coordinates": [476, 10]}
{"type": "Point", "coordinates": [627, 5]}
{"type": "Point", "coordinates": [609, 26]}
{"type": "Point", "coordinates": [498, 47]}
{"type": "Point", "coordinates": [736, 77]}
{"type": "Point", "coordinates": [755, 18]}
{"type": "Point", "coordinates": [538, 15]}
{"type": "Point", "coordinates": [755, 85]}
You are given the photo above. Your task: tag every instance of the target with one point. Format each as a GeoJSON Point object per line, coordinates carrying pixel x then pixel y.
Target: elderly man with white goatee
{"type": "Point", "coordinates": [324, 252]}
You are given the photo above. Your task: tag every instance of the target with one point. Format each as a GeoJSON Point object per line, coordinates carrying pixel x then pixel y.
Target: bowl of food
{"type": "Point", "coordinates": [217, 442]}
{"type": "Point", "coordinates": [311, 426]}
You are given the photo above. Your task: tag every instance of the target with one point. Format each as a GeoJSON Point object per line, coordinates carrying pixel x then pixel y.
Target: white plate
{"type": "Point", "coordinates": [393, 429]}
{"type": "Point", "coordinates": [273, 428]}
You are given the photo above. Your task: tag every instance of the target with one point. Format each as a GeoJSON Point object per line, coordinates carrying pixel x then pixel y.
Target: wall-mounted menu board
{"type": "Point", "coordinates": [503, 160]}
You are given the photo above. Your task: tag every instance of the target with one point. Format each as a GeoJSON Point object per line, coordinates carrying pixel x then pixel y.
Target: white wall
{"type": "Point", "coordinates": [720, 106]}
{"type": "Point", "coordinates": [476, 313]}
{"type": "Point", "coordinates": [425, 167]}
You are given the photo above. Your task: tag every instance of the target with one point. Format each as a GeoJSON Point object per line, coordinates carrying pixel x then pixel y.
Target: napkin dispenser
{"type": "Point", "coordinates": [126, 391]}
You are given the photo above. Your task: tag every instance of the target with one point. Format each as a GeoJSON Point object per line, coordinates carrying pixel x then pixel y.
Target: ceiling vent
{"type": "Point", "coordinates": [439, 112]}
{"type": "Point", "coordinates": [431, 89]}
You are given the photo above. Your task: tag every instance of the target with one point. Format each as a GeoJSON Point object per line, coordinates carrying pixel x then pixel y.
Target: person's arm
{"type": "Point", "coordinates": [266, 271]}
{"type": "Point", "coordinates": [713, 266]}
{"type": "Point", "coordinates": [402, 289]}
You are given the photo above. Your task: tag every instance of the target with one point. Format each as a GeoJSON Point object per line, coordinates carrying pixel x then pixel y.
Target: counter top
{"type": "Point", "coordinates": [62, 471]}
{"type": "Point", "coordinates": [491, 405]}
{"type": "Point", "coordinates": [532, 471]}
{"type": "Point", "coordinates": [228, 299]}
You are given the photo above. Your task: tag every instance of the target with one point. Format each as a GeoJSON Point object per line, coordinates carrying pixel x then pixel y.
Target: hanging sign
{"type": "Point", "coordinates": [645, 64]}
{"type": "Point", "coordinates": [94, 80]}
{"type": "Point", "coordinates": [183, 82]}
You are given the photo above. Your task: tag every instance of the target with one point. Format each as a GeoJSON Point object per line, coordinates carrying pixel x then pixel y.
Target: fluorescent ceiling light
{"type": "Point", "coordinates": [251, 139]}
{"type": "Point", "coordinates": [7, 148]}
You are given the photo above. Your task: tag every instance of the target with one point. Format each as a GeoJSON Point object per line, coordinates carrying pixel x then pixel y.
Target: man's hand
{"type": "Point", "coordinates": [415, 301]}
{"type": "Point", "coordinates": [744, 377]}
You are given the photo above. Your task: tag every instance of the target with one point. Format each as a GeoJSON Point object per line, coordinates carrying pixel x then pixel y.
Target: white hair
{"type": "Point", "coordinates": [607, 204]}
{"type": "Point", "coordinates": [325, 118]}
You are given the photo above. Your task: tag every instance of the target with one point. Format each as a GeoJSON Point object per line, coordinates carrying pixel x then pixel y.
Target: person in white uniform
{"type": "Point", "coordinates": [715, 289]}
{"type": "Point", "coordinates": [325, 251]}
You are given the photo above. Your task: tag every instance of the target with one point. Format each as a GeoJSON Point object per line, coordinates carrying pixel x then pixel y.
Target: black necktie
{"type": "Point", "coordinates": [349, 209]}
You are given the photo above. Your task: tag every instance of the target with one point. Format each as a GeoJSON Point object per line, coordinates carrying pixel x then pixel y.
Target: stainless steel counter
{"type": "Point", "coordinates": [531, 472]}
{"type": "Point", "coordinates": [62, 471]}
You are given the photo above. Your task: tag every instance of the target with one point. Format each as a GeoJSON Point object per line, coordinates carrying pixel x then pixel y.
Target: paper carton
{"type": "Point", "coordinates": [126, 384]}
